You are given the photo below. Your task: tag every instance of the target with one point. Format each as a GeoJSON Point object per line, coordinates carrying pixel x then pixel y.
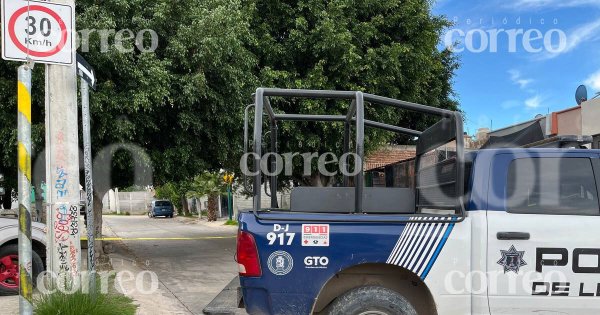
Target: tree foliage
{"type": "Point", "coordinates": [387, 48]}
{"type": "Point", "coordinates": [206, 184]}
{"type": "Point", "coordinates": [183, 104]}
{"type": "Point", "coordinates": [211, 185]}
{"type": "Point", "coordinates": [169, 191]}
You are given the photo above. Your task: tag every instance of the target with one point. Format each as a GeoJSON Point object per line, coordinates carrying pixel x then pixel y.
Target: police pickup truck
{"type": "Point", "coordinates": [498, 231]}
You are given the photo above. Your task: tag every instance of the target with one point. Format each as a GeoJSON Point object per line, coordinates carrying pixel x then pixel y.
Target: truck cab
{"type": "Point", "coordinates": [495, 231]}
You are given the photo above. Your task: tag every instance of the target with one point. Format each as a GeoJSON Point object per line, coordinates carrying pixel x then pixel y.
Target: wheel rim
{"type": "Point", "coordinates": [373, 313]}
{"type": "Point", "coordinates": [9, 271]}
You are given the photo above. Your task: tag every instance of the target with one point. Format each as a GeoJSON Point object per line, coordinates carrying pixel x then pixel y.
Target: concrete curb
{"type": "Point", "coordinates": [219, 224]}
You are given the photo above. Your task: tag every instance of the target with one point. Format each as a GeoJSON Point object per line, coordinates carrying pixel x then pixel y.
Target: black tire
{"type": "Point", "coordinates": [371, 300]}
{"type": "Point", "coordinates": [37, 264]}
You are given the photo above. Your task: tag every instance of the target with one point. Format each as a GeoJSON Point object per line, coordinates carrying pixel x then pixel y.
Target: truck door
{"type": "Point", "coordinates": [544, 232]}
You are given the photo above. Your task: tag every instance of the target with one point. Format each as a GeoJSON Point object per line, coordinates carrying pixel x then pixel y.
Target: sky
{"type": "Point", "coordinates": [521, 58]}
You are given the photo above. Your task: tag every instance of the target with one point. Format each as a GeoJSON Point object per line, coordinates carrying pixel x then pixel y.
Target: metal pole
{"type": "Point", "coordinates": [274, 164]}
{"type": "Point", "coordinates": [62, 173]}
{"type": "Point", "coordinates": [24, 160]}
{"type": "Point", "coordinates": [346, 150]}
{"type": "Point", "coordinates": [360, 151]}
{"type": "Point", "coordinates": [257, 141]}
{"type": "Point", "coordinates": [229, 202]}
{"type": "Point", "coordinates": [89, 187]}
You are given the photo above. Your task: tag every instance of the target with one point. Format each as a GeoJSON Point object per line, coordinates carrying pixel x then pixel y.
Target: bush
{"type": "Point", "coordinates": [82, 303]}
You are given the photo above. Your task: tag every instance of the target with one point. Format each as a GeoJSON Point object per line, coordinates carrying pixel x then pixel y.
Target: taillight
{"type": "Point", "coordinates": [247, 255]}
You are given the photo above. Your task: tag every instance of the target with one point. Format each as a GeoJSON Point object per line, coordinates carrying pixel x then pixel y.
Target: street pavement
{"type": "Point", "coordinates": [193, 260]}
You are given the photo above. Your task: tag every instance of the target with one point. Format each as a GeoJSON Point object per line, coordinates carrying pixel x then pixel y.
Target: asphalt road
{"type": "Point", "coordinates": [193, 261]}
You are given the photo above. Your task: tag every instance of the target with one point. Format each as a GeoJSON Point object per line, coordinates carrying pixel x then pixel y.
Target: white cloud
{"type": "Point", "coordinates": [535, 4]}
{"type": "Point", "coordinates": [593, 81]}
{"type": "Point", "coordinates": [534, 102]}
{"type": "Point", "coordinates": [516, 78]}
{"type": "Point", "coordinates": [585, 33]}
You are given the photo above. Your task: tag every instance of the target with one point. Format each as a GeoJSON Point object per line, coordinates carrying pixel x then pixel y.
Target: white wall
{"type": "Point", "coordinates": [590, 116]}
{"type": "Point", "coordinates": [133, 202]}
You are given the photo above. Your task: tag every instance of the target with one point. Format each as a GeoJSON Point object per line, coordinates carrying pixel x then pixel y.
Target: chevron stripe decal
{"type": "Point", "coordinates": [420, 244]}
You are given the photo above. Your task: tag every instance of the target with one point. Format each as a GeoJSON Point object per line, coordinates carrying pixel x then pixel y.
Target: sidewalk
{"type": "Point", "coordinates": [162, 301]}
{"type": "Point", "coordinates": [10, 304]}
{"type": "Point", "coordinates": [218, 225]}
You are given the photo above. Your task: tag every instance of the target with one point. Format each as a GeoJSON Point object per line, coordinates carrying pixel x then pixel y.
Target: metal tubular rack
{"type": "Point", "coordinates": [450, 128]}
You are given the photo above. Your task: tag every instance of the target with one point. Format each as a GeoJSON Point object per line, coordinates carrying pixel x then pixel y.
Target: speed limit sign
{"type": "Point", "coordinates": [38, 31]}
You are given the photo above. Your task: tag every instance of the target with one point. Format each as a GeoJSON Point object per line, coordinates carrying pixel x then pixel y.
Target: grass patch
{"type": "Point", "coordinates": [81, 303]}
{"type": "Point", "coordinates": [231, 222]}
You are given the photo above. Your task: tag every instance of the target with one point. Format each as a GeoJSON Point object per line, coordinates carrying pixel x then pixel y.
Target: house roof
{"type": "Point", "coordinates": [389, 155]}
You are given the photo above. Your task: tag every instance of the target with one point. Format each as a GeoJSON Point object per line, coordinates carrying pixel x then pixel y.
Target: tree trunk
{"type": "Point", "coordinates": [98, 227]}
{"type": "Point", "coordinates": [185, 206]}
{"type": "Point", "coordinates": [213, 206]}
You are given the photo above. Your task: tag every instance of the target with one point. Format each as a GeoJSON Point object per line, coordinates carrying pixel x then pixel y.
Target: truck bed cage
{"type": "Point", "coordinates": [449, 128]}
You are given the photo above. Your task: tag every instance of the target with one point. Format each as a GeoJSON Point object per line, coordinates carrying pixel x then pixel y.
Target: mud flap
{"type": "Point", "coordinates": [228, 301]}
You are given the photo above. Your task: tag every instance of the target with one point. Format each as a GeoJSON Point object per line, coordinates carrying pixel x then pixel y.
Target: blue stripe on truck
{"type": "Point", "coordinates": [414, 247]}
{"type": "Point", "coordinates": [437, 251]}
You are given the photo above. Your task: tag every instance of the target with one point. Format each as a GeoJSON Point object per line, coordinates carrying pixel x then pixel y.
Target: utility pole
{"type": "Point", "coordinates": [89, 187]}
{"type": "Point", "coordinates": [88, 79]}
{"type": "Point", "coordinates": [24, 159]}
{"type": "Point", "coordinates": [62, 171]}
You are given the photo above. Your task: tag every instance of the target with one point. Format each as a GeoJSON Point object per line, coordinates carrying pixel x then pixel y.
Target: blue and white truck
{"type": "Point", "coordinates": [498, 231]}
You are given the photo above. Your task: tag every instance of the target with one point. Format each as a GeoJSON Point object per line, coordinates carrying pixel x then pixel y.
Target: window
{"type": "Point", "coordinates": [552, 186]}
{"type": "Point", "coordinates": [162, 204]}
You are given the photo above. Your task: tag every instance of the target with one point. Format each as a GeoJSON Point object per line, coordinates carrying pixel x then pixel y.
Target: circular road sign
{"type": "Point", "coordinates": [38, 31]}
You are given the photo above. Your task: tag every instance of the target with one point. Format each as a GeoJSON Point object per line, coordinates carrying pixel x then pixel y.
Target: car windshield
{"type": "Point", "coordinates": [162, 204]}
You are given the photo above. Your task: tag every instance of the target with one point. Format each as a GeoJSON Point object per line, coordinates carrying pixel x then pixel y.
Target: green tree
{"type": "Point", "coordinates": [211, 185]}
{"type": "Point", "coordinates": [388, 48]}
{"type": "Point", "coordinates": [179, 105]}
{"type": "Point", "coordinates": [169, 191]}
{"type": "Point", "coordinates": [182, 105]}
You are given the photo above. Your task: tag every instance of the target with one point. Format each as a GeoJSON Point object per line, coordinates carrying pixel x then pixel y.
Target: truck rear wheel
{"type": "Point", "coordinates": [371, 300]}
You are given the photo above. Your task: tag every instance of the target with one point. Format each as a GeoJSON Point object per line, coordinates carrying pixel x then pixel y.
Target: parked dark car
{"type": "Point", "coordinates": [161, 208]}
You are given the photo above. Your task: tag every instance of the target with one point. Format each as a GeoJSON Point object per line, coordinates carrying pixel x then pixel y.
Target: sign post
{"type": "Point", "coordinates": [24, 159]}
{"type": "Point", "coordinates": [88, 79]}
{"type": "Point", "coordinates": [38, 31]}
{"type": "Point", "coordinates": [228, 179]}
{"type": "Point", "coordinates": [62, 168]}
